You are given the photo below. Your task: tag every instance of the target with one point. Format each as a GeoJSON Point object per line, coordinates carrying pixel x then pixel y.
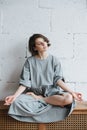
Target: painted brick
{"type": "Point", "coordinates": [31, 3]}
{"type": "Point", "coordinates": [62, 45]}
{"type": "Point", "coordinates": [79, 4]}
{"type": "Point", "coordinates": [75, 70]}
{"type": "Point", "coordinates": [80, 42]}
{"type": "Point", "coordinates": [0, 19]}
{"type": "Point", "coordinates": [7, 89]}
{"type": "Point", "coordinates": [11, 69]}
{"type": "Point", "coordinates": [80, 22]}
{"type": "Point", "coordinates": [69, 20]}
{"type": "Point", "coordinates": [10, 46]}
{"type": "Point", "coordinates": [25, 19]}
{"type": "Point", "coordinates": [0, 70]}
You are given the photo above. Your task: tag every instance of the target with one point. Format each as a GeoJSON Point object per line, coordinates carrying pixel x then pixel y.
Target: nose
{"type": "Point", "coordinates": [43, 44]}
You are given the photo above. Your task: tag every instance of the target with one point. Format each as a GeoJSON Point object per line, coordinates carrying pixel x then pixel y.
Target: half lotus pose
{"type": "Point", "coordinates": [39, 97]}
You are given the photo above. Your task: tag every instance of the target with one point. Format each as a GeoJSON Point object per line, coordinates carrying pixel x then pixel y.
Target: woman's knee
{"type": "Point", "coordinates": [68, 98]}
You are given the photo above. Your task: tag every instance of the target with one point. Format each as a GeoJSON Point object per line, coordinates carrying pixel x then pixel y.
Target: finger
{"type": "Point", "coordinates": [7, 104]}
{"type": "Point", "coordinates": [9, 100]}
{"type": "Point", "coordinates": [80, 95]}
{"type": "Point", "coordinates": [6, 99]}
{"type": "Point", "coordinates": [80, 99]}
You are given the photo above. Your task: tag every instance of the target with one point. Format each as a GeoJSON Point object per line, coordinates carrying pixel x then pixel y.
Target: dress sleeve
{"type": "Point", "coordinates": [25, 78]}
{"type": "Point", "coordinates": [58, 73]}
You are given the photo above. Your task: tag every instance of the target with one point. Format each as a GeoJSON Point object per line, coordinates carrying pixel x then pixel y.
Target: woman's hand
{"type": "Point", "coordinates": [77, 96]}
{"type": "Point", "coordinates": [9, 100]}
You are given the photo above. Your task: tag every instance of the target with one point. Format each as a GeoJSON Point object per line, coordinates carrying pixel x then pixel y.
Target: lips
{"type": "Point", "coordinates": [44, 47]}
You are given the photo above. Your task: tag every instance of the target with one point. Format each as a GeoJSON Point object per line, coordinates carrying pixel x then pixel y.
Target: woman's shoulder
{"type": "Point", "coordinates": [28, 59]}
{"type": "Point", "coordinates": [55, 59]}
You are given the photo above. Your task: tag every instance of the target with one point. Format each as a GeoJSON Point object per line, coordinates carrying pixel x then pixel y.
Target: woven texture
{"type": "Point", "coordinates": [73, 122]}
{"type": "Point", "coordinates": [8, 123]}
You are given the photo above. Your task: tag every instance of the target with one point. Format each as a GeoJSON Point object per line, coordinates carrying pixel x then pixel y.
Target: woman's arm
{"type": "Point", "coordinates": [19, 90]}
{"type": "Point", "coordinates": [64, 86]}
{"type": "Point", "coordinates": [11, 98]}
{"type": "Point", "coordinates": [76, 95]}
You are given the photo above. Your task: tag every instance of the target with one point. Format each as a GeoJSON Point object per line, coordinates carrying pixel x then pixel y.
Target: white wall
{"type": "Point", "coordinates": [64, 22]}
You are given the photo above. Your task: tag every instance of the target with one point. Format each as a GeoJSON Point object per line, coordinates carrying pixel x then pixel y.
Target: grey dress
{"type": "Point", "coordinates": [39, 76]}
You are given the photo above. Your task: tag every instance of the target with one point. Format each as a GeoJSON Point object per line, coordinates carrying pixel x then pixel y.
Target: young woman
{"type": "Point", "coordinates": [39, 88]}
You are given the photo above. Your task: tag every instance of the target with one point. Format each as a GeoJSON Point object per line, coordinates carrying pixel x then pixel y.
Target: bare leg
{"type": "Point", "coordinates": [58, 100]}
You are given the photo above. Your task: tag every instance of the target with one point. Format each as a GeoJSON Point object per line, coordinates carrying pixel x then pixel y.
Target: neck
{"type": "Point", "coordinates": [42, 55]}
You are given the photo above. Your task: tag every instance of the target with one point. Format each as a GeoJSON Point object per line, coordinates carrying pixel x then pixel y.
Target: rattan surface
{"type": "Point", "coordinates": [8, 123]}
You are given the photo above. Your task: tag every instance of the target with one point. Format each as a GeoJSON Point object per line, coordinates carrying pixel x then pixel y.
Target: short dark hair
{"type": "Point", "coordinates": [31, 43]}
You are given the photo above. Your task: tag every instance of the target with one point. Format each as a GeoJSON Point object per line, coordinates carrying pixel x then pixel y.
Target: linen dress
{"type": "Point", "coordinates": [39, 76]}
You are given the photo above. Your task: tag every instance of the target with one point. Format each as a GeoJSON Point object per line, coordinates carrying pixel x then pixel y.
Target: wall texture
{"type": "Point", "coordinates": [64, 22]}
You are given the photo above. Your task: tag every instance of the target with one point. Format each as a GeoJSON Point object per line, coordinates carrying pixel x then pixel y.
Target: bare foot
{"type": "Point", "coordinates": [34, 95]}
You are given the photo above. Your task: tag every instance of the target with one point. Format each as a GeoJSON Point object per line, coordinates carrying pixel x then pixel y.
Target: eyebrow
{"type": "Point", "coordinates": [39, 42]}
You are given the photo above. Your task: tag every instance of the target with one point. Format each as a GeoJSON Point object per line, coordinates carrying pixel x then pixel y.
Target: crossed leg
{"type": "Point", "coordinates": [59, 100]}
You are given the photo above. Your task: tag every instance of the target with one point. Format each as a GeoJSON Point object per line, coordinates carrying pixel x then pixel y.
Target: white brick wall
{"type": "Point", "coordinates": [63, 22]}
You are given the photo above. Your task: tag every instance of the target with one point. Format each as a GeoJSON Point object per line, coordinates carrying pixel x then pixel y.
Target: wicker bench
{"type": "Point", "coordinates": [76, 121]}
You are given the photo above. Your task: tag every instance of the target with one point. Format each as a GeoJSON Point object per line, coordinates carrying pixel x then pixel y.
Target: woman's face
{"type": "Point", "coordinates": [41, 45]}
